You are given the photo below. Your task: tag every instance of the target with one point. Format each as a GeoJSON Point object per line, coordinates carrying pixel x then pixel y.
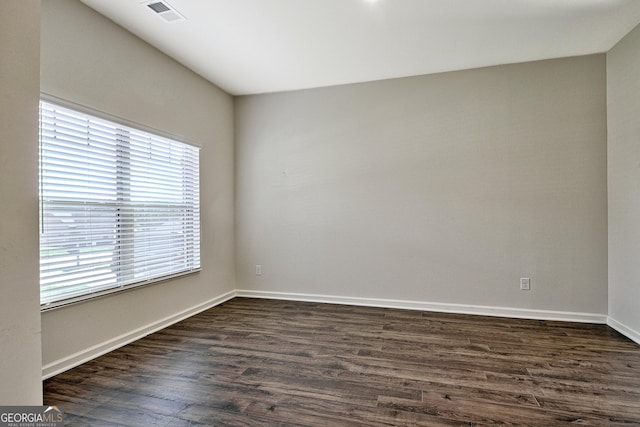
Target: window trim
{"type": "Point", "coordinates": [127, 123]}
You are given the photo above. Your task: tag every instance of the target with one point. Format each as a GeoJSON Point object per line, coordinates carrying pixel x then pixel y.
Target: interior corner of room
{"type": "Point", "coordinates": [432, 192]}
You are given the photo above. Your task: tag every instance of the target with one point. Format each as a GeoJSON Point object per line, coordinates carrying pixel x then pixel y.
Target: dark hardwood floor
{"type": "Point", "coordinates": [252, 362]}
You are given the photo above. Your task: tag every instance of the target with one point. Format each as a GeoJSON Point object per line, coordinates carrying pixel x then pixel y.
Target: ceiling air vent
{"type": "Point", "coordinates": [165, 10]}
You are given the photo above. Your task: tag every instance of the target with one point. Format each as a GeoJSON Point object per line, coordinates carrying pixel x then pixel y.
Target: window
{"type": "Point", "coordinates": [119, 207]}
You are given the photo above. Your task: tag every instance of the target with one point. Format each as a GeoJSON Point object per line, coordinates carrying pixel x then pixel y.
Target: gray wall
{"type": "Point", "coordinates": [20, 303]}
{"type": "Point", "coordinates": [623, 105]}
{"type": "Point", "coordinates": [441, 188]}
{"type": "Point", "coordinates": [89, 60]}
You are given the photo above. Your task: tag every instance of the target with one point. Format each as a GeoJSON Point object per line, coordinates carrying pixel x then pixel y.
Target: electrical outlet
{"type": "Point", "coordinates": [258, 270]}
{"type": "Point", "coordinates": [525, 283]}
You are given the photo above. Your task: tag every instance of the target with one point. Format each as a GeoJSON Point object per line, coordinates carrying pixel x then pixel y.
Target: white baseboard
{"type": "Point", "coordinates": [90, 353]}
{"type": "Point", "coordinates": [521, 313]}
{"type": "Point", "coordinates": [624, 330]}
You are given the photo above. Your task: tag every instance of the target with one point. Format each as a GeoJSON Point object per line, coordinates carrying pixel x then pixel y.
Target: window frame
{"type": "Point", "coordinates": [82, 109]}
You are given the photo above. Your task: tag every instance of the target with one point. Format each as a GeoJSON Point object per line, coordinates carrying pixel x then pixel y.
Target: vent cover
{"type": "Point", "coordinates": [165, 10]}
{"type": "Point", "coordinates": [159, 7]}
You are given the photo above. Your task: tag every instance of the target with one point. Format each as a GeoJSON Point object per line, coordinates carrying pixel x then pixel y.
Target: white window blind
{"type": "Point", "coordinates": [119, 207]}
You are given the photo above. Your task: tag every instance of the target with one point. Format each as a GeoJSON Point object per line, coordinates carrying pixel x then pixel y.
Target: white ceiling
{"type": "Point", "coordinates": [257, 46]}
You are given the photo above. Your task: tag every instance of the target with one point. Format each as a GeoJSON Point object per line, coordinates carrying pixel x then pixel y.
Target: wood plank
{"type": "Point", "coordinates": [257, 362]}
